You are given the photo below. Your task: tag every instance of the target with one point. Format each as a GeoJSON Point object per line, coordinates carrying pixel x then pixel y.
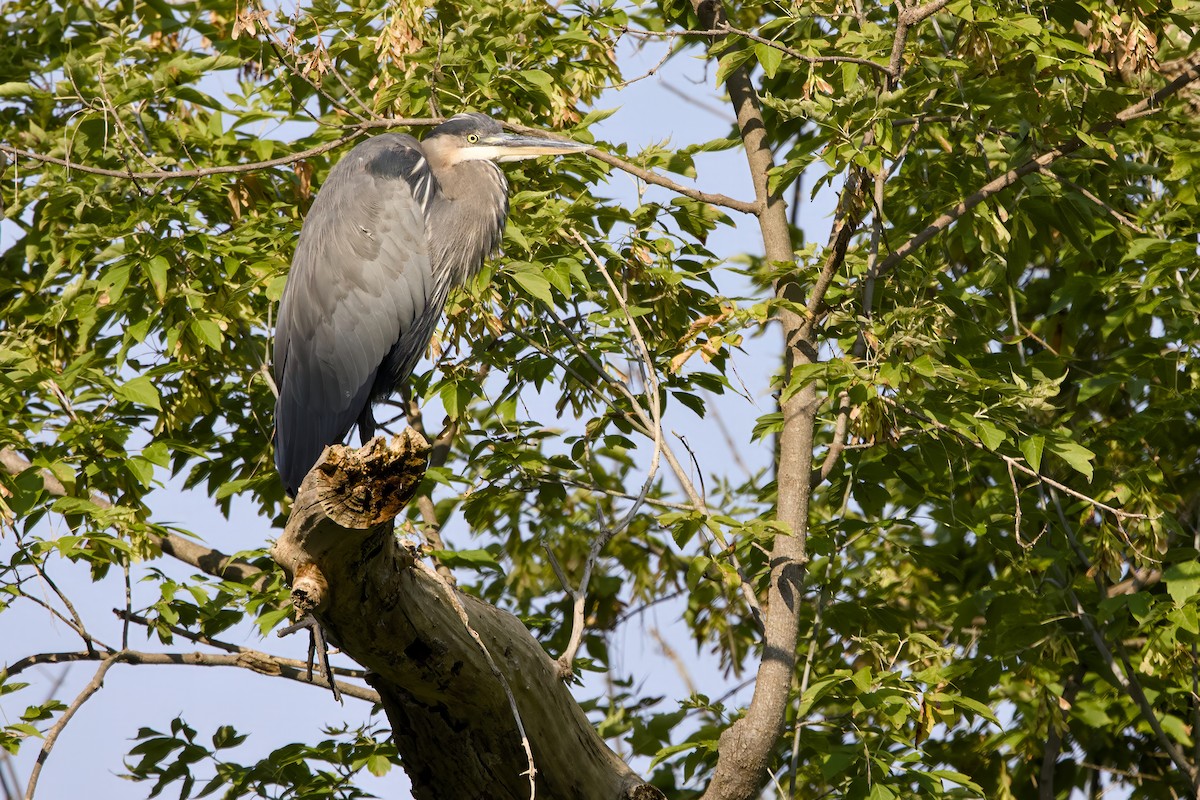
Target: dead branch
{"type": "Point", "coordinates": [451, 717]}
{"type": "Point", "coordinates": [92, 687]}
{"type": "Point", "coordinates": [253, 660]}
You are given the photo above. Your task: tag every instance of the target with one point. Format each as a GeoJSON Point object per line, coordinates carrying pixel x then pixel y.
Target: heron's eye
{"type": "Point", "coordinates": [472, 138]}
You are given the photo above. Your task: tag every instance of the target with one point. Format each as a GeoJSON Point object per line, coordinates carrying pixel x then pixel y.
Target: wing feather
{"type": "Point", "coordinates": [359, 289]}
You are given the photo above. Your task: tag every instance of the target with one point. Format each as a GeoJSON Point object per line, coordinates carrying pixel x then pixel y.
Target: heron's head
{"type": "Point", "coordinates": [478, 137]}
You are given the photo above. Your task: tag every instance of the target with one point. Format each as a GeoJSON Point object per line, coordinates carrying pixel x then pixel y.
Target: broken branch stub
{"type": "Point", "coordinates": [451, 717]}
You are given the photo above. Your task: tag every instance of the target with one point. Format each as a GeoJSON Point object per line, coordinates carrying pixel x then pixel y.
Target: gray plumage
{"type": "Point", "coordinates": [397, 224]}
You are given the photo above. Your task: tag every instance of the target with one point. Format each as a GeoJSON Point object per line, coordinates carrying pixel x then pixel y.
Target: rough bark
{"type": "Point", "coordinates": [451, 717]}
{"type": "Point", "coordinates": [747, 748]}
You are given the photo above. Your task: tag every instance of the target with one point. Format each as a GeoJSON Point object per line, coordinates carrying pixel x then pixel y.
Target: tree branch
{"type": "Point", "coordinates": [451, 716]}
{"type": "Point", "coordinates": [746, 746]}
{"type": "Point", "coordinates": [92, 687]}
{"type": "Point", "coordinates": [1139, 109]}
{"type": "Point", "coordinates": [726, 29]}
{"type": "Point", "coordinates": [206, 559]}
{"type": "Point", "coordinates": [908, 17]}
{"type": "Point", "coordinates": [646, 175]}
{"type": "Point", "coordinates": [354, 133]}
{"type": "Point", "coordinates": [253, 660]}
{"type": "Point", "coordinates": [229, 647]}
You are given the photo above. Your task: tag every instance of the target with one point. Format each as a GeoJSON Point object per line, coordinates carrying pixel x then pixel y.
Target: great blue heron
{"type": "Point", "coordinates": [396, 225]}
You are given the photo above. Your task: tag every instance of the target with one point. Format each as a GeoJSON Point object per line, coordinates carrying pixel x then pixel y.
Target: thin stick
{"type": "Point", "coordinates": [260, 663]}
{"type": "Point", "coordinates": [1018, 465]}
{"type": "Point", "coordinates": [92, 687]}
{"type": "Point", "coordinates": [229, 647]}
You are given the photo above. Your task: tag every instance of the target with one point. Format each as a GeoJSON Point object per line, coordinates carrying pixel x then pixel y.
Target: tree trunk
{"type": "Point", "coordinates": [447, 699]}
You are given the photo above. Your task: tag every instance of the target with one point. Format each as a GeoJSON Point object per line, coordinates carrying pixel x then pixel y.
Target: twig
{"type": "Point", "coordinates": [653, 402]}
{"type": "Point", "coordinates": [673, 657]}
{"type": "Point", "coordinates": [92, 687]}
{"type": "Point", "coordinates": [512, 700]}
{"type": "Point", "coordinates": [714, 199]}
{"type": "Point", "coordinates": [229, 647]}
{"type": "Point", "coordinates": [1117, 215]}
{"type": "Point", "coordinates": [644, 426]}
{"type": "Point", "coordinates": [76, 622]}
{"type": "Point", "coordinates": [353, 132]}
{"type": "Point", "coordinates": [1054, 742]}
{"type": "Point", "coordinates": [838, 444]}
{"type": "Point", "coordinates": [280, 52]}
{"type": "Point", "coordinates": [253, 660]}
{"type": "Point", "coordinates": [1126, 677]}
{"type": "Point", "coordinates": [1012, 479]}
{"type": "Point", "coordinates": [650, 73]}
{"type": "Point", "coordinates": [128, 604]}
{"type": "Point", "coordinates": [908, 17]}
{"type": "Point", "coordinates": [566, 661]}
{"type": "Point", "coordinates": [1127, 680]}
{"type": "Point", "coordinates": [165, 174]}
{"type": "Point", "coordinates": [1018, 465]}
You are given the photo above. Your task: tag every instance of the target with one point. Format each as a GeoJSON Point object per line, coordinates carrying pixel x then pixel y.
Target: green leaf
{"type": "Point", "coordinates": [1077, 456]}
{"type": "Point", "coordinates": [769, 58]}
{"type": "Point", "coordinates": [989, 435]}
{"type": "Point", "coordinates": [1183, 581]}
{"type": "Point", "coordinates": [731, 62]}
{"type": "Point", "coordinates": [17, 89]}
{"type": "Point", "coordinates": [533, 284]}
{"type": "Point", "coordinates": [140, 390]}
{"type": "Point", "coordinates": [156, 270]}
{"type": "Point", "coordinates": [1031, 448]}
{"type": "Point", "coordinates": [208, 332]}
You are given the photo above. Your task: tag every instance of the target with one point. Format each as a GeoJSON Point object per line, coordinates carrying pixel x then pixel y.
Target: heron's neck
{"type": "Point", "coordinates": [466, 221]}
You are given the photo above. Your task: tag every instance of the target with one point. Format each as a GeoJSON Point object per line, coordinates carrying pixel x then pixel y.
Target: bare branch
{"type": "Point", "coordinates": [76, 622]}
{"type": "Point", "coordinates": [253, 660]}
{"type": "Point", "coordinates": [166, 174]}
{"type": "Point", "coordinates": [838, 444]}
{"type": "Point", "coordinates": [667, 183]}
{"type": "Point", "coordinates": [229, 647]}
{"type": "Point", "coordinates": [92, 687]}
{"type": "Point", "coordinates": [653, 402]}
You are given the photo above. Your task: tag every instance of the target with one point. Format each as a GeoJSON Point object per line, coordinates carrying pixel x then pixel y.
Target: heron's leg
{"type": "Point", "coordinates": [317, 645]}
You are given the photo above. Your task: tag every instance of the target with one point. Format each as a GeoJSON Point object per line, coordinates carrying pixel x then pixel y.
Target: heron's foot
{"type": "Point", "coordinates": [316, 646]}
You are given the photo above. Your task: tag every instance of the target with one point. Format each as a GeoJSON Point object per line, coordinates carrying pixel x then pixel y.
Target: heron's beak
{"type": "Point", "coordinates": [513, 147]}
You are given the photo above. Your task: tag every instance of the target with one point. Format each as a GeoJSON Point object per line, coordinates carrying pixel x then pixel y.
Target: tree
{"type": "Point", "coordinates": [972, 568]}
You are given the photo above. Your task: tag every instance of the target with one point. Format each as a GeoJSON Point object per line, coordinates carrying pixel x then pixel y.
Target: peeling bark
{"type": "Point", "coordinates": [451, 718]}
